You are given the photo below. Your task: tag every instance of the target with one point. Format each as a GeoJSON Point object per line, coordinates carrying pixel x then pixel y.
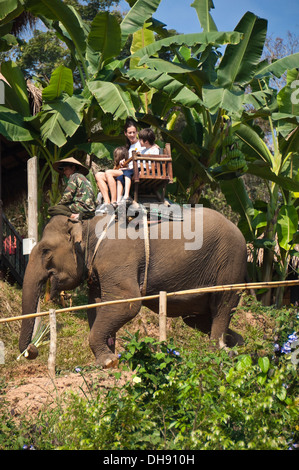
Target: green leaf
{"type": "Point", "coordinates": [244, 363]}
{"type": "Point", "coordinates": [239, 62]}
{"type": "Point", "coordinates": [13, 127]}
{"type": "Point", "coordinates": [58, 11]}
{"type": "Point", "coordinates": [237, 197]}
{"type": "Point", "coordinates": [215, 98]}
{"type": "Point", "coordinates": [278, 67]}
{"type": "Point", "coordinates": [9, 9]}
{"type": "Point", "coordinates": [104, 36]}
{"type": "Point", "coordinates": [60, 119]}
{"type": "Point", "coordinates": [16, 95]}
{"type": "Point", "coordinates": [287, 224]}
{"type": "Point", "coordinates": [190, 40]}
{"type": "Point", "coordinates": [203, 8]}
{"type": "Point", "coordinates": [264, 364]}
{"type": "Point", "coordinates": [141, 11]}
{"type": "Point", "coordinates": [175, 90]}
{"type": "Point", "coordinates": [61, 81]}
{"type": "Point", "coordinates": [141, 39]}
{"type": "Point", "coordinates": [7, 42]}
{"type": "Point", "coordinates": [266, 173]}
{"type": "Point", "coordinates": [281, 394]}
{"type": "Point", "coordinates": [254, 146]}
{"type": "Point", "coordinates": [112, 99]}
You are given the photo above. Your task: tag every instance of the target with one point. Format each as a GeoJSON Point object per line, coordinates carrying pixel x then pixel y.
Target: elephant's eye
{"type": "Point", "coordinates": [46, 253]}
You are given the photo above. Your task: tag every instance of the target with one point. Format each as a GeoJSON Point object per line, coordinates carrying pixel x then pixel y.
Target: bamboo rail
{"type": "Point", "coordinates": [200, 290]}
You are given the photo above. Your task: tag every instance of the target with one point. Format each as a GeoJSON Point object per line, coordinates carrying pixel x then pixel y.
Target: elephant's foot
{"type": "Point", "coordinates": [107, 361]}
{"type": "Point", "coordinates": [31, 352]}
{"type": "Point", "coordinates": [233, 339]}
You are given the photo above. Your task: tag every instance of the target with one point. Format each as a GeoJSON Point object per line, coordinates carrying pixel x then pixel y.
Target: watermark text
{"type": "Point", "coordinates": [160, 222]}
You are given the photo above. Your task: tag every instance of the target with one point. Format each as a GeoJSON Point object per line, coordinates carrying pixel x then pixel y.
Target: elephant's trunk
{"type": "Point", "coordinates": [35, 277]}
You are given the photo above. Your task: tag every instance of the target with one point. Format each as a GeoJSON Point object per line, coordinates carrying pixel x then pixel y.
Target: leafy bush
{"type": "Point", "coordinates": [178, 402]}
{"type": "Point", "coordinates": [194, 399]}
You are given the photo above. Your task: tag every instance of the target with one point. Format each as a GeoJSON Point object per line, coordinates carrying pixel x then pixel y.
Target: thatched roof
{"type": "Point", "coordinates": [34, 95]}
{"type": "Point", "coordinates": [23, 22]}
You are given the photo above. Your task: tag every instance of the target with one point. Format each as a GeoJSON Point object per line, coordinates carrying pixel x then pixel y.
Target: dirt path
{"type": "Point", "coordinates": [35, 391]}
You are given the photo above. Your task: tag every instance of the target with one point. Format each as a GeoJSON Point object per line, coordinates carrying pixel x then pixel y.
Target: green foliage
{"type": "Point", "coordinates": [191, 400]}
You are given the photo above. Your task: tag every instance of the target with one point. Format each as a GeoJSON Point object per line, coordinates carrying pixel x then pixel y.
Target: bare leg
{"type": "Point", "coordinates": [120, 190]}
{"type": "Point", "coordinates": [111, 175]}
{"type": "Point", "coordinates": [101, 180]}
{"type": "Point", "coordinates": [128, 183]}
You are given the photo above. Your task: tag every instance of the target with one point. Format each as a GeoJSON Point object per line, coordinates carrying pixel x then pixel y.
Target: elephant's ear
{"type": "Point", "coordinates": [75, 231]}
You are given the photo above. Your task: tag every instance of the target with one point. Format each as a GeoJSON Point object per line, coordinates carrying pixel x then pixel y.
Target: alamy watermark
{"type": "Point", "coordinates": [295, 352]}
{"type": "Point", "coordinates": [173, 222]}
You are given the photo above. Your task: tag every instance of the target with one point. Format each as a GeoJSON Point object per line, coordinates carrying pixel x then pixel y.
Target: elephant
{"type": "Point", "coordinates": [127, 267]}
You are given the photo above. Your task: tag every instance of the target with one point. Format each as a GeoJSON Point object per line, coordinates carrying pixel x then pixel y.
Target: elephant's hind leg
{"type": "Point", "coordinates": [222, 305]}
{"type": "Point", "coordinates": [201, 322]}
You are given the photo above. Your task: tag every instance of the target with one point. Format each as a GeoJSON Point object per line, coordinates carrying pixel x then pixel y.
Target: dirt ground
{"type": "Point", "coordinates": [34, 390]}
{"type": "Point", "coordinates": [30, 389]}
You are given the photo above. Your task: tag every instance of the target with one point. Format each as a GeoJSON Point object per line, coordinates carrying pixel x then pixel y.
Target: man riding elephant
{"type": "Point", "coordinates": [78, 200]}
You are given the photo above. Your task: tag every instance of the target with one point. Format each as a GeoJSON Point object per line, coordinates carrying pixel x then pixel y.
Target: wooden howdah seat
{"type": "Point", "coordinates": [152, 175]}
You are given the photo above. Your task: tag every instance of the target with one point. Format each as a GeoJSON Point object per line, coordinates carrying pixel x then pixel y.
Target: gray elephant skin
{"type": "Point", "coordinates": [64, 255]}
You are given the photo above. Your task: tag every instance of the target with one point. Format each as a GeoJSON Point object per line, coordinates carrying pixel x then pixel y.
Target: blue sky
{"type": "Point", "coordinates": [178, 14]}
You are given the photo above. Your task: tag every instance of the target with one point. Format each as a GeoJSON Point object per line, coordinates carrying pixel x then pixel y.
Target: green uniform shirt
{"type": "Point", "coordinates": [78, 195]}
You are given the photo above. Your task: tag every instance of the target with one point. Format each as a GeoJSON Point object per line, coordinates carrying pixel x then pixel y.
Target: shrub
{"type": "Point", "coordinates": [177, 402]}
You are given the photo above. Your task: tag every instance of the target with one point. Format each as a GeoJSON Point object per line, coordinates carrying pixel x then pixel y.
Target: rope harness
{"type": "Point", "coordinates": [146, 248]}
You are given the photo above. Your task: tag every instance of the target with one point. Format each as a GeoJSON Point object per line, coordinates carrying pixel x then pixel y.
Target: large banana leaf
{"type": "Point", "coordinates": [61, 81]}
{"type": "Point", "coordinates": [61, 118]}
{"type": "Point", "coordinates": [289, 184]}
{"type": "Point", "coordinates": [229, 100]}
{"type": "Point", "coordinates": [13, 126]}
{"type": "Point", "coordinates": [287, 224]}
{"type": "Point", "coordinates": [214, 38]}
{"type": "Point", "coordinates": [175, 90]}
{"type": "Point", "coordinates": [7, 41]}
{"type": "Point", "coordinates": [104, 36]}
{"type": "Point", "coordinates": [58, 11]}
{"type": "Point", "coordinates": [9, 9]}
{"type": "Point", "coordinates": [203, 8]}
{"type": "Point", "coordinates": [237, 197]}
{"type": "Point", "coordinates": [140, 12]}
{"type": "Point", "coordinates": [253, 146]}
{"type": "Point", "coordinates": [288, 105]}
{"type": "Point", "coordinates": [239, 62]}
{"type": "Point", "coordinates": [141, 38]}
{"type": "Point", "coordinates": [16, 96]}
{"type": "Point", "coordinates": [278, 67]}
{"type": "Point", "coordinates": [112, 99]}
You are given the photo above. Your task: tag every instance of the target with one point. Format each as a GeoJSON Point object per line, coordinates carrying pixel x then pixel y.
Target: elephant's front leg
{"type": "Point", "coordinates": [109, 319]}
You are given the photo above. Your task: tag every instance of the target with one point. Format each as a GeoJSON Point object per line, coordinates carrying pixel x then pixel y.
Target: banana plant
{"type": "Point", "coordinates": [207, 90]}
{"type": "Point", "coordinates": [271, 225]}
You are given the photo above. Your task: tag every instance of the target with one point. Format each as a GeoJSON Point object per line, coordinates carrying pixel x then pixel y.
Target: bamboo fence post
{"type": "Point", "coordinates": [32, 200]}
{"type": "Point", "coordinates": [162, 315]}
{"type": "Point", "coordinates": [53, 343]}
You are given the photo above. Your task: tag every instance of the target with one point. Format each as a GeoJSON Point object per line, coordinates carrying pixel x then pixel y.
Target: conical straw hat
{"type": "Point", "coordinates": [58, 166]}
